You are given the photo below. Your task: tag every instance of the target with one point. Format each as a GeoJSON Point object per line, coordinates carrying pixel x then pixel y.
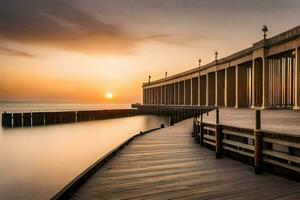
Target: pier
{"type": "Point", "coordinates": [201, 155]}
{"type": "Point", "coordinates": [168, 164]}
{"type": "Point", "coordinates": [265, 75]}
{"type": "Point", "coordinates": [234, 132]}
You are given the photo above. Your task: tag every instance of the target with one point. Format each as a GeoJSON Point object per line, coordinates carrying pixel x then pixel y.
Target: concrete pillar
{"type": "Point", "coordinates": [174, 92]}
{"type": "Point", "coordinates": [191, 91]}
{"type": "Point", "coordinates": [184, 92]}
{"type": "Point", "coordinates": [253, 84]}
{"type": "Point", "coordinates": [206, 88]}
{"type": "Point", "coordinates": [178, 94]}
{"type": "Point", "coordinates": [297, 79]}
{"type": "Point", "coordinates": [199, 89]}
{"type": "Point", "coordinates": [161, 95]}
{"type": "Point", "coordinates": [165, 94]}
{"type": "Point", "coordinates": [144, 96]}
{"type": "Point", "coordinates": [216, 88]}
{"type": "Point", "coordinates": [225, 87]}
{"type": "Point", "coordinates": [148, 96]}
{"type": "Point", "coordinates": [236, 86]}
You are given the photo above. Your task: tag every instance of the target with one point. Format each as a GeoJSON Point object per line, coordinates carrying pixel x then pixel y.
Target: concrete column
{"type": "Point", "coordinates": [199, 89]}
{"type": "Point", "coordinates": [225, 87]}
{"type": "Point", "coordinates": [147, 96]}
{"type": "Point", "coordinates": [161, 95]}
{"type": "Point", "coordinates": [236, 86]}
{"type": "Point", "coordinates": [178, 94]}
{"type": "Point", "coordinates": [191, 91]}
{"type": "Point", "coordinates": [165, 94]}
{"type": "Point", "coordinates": [184, 92]}
{"type": "Point", "coordinates": [216, 88]}
{"type": "Point", "coordinates": [206, 89]}
{"type": "Point", "coordinates": [297, 79]}
{"type": "Point", "coordinates": [253, 84]}
{"type": "Point", "coordinates": [174, 96]}
{"type": "Point", "coordinates": [154, 95]}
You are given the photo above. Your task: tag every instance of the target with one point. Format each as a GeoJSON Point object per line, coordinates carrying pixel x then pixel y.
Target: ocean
{"type": "Point", "coordinates": [36, 162]}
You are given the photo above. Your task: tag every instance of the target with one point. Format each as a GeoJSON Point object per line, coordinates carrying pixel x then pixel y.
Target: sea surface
{"type": "Point", "coordinates": [36, 162]}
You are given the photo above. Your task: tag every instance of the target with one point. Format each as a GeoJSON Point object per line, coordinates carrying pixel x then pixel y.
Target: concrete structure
{"type": "Point", "coordinates": [265, 75]}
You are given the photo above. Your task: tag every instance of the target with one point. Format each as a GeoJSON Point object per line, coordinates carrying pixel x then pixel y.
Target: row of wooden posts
{"type": "Point", "coordinates": [17, 119]}
{"type": "Point", "coordinates": [261, 151]}
{"type": "Point", "coordinates": [27, 119]}
{"type": "Point", "coordinates": [175, 113]}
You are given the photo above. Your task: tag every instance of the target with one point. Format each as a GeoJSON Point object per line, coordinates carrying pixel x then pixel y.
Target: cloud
{"type": "Point", "coordinates": [175, 39]}
{"type": "Point", "coordinates": [13, 52]}
{"type": "Point", "coordinates": [61, 24]}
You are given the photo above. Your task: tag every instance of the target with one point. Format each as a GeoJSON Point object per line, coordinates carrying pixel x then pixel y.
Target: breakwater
{"type": "Point", "coordinates": [27, 119]}
{"type": "Point", "coordinates": [175, 114]}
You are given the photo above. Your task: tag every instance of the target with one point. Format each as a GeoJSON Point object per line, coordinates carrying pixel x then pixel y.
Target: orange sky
{"type": "Point", "coordinates": [80, 50]}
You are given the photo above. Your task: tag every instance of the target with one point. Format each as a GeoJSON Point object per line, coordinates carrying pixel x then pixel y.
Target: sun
{"type": "Point", "coordinates": [109, 95]}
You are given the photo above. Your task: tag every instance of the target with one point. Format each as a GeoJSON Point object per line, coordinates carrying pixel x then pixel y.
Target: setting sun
{"type": "Point", "coordinates": [109, 95]}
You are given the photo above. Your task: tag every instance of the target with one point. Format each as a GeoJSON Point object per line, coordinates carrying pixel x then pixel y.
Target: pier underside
{"type": "Point", "coordinates": [168, 164]}
{"type": "Point", "coordinates": [283, 121]}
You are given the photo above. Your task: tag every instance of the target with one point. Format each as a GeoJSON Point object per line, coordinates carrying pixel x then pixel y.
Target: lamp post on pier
{"type": "Point", "coordinates": [216, 55]}
{"type": "Point", "coordinates": [265, 30]}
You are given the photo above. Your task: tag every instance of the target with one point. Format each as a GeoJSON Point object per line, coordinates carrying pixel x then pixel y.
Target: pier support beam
{"type": "Point", "coordinates": [199, 90]}
{"type": "Point", "coordinates": [225, 88]}
{"type": "Point", "coordinates": [236, 86]}
{"type": "Point", "coordinates": [191, 96]}
{"type": "Point", "coordinates": [206, 90]}
{"type": "Point", "coordinates": [216, 88]}
{"type": "Point", "coordinates": [297, 79]}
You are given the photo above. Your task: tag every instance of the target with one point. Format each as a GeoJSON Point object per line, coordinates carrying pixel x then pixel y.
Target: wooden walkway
{"type": "Point", "coordinates": [168, 164]}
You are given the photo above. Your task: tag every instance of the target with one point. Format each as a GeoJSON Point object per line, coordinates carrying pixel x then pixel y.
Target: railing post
{"type": "Point", "coordinates": [201, 130]}
{"type": "Point", "coordinates": [171, 121]}
{"type": "Point", "coordinates": [194, 128]}
{"type": "Point", "coordinates": [197, 132]}
{"type": "Point", "coordinates": [218, 136]}
{"type": "Point", "coordinates": [258, 140]}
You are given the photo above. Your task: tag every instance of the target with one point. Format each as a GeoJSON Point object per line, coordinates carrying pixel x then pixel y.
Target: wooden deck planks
{"type": "Point", "coordinates": [167, 164]}
{"type": "Point", "coordinates": [284, 121]}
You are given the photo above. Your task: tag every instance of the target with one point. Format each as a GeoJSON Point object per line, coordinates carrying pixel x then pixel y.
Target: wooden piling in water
{"type": "Point", "coordinates": [26, 119]}
{"type": "Point", "coordinates": [17, 122]}
{"type": "Point", "coordinates": [6, 119]}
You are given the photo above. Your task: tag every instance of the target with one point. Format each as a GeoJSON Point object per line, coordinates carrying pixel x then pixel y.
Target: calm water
{"type": "Point", "coordinates": [37, 162]}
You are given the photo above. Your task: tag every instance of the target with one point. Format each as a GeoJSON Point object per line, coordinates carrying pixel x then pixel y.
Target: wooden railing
{"type": "Point", "coordinates": [269, 151]}
{"type": "Point", "coordinates": [176, 113]}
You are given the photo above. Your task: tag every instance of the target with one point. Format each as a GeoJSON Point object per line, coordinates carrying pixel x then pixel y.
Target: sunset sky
{"type": "Point", "coordinates": [79, 51]}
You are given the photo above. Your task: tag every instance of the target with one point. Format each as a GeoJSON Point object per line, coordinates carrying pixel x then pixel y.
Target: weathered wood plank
{"type": "Point", "coordinates": [168, 164]}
